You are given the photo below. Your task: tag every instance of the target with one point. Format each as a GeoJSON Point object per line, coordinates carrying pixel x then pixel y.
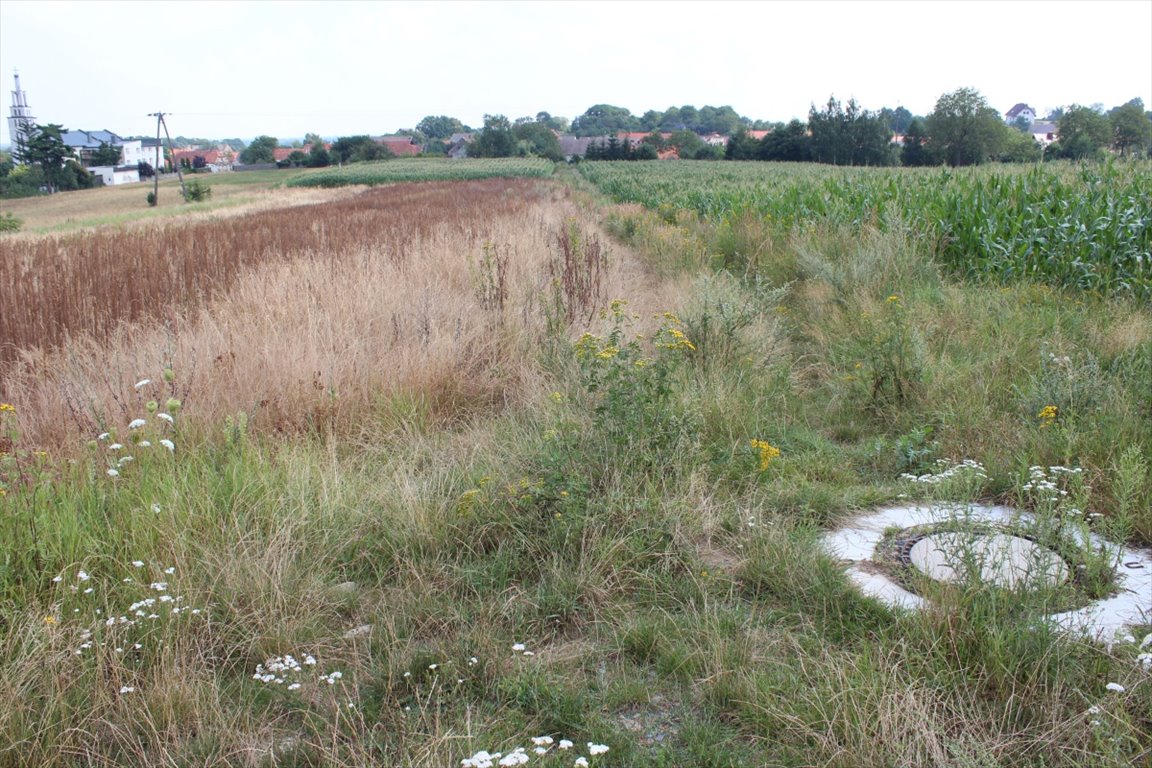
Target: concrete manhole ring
{"type": "Point", "coordinates": [890, 550]}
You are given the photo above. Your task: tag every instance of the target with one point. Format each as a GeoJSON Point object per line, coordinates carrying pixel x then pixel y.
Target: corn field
{"type": "Point", "coordinates": [1087, 228]}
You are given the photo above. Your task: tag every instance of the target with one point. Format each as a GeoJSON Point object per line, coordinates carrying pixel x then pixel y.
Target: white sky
{"type": "Point", "coordinates": [228, 69]}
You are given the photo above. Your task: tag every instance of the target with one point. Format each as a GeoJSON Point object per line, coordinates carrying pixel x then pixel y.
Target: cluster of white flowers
{"type": "Point", "coordinates": [522, 649]}
{"type": "Point", "coordinates": [281, 670]}
{"type": "Point", "coordinates": [1044, 483]}
{"type": "Point", "coordinates": [966, 469]}
{"type": "Point", "coordinates": [272, 669]}
{"type": "Point", "coordinates": [541, 746]}
{"type": "Point", "coordinates": [115, 631]}
{"type": "Point", "coordinates": [1144, 657]}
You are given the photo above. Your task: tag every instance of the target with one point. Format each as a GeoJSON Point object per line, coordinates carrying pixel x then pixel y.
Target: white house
{"type": "Point", "coordinates": [1021, 110]}
{"type": "Point", "coordinates": [111, 176]}
{"type": "Point", "coordinates": [1044, 132]}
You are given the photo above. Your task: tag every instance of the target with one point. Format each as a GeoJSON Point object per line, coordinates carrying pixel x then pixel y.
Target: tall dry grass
{"type": "Point", "coordinates": [299, 318]}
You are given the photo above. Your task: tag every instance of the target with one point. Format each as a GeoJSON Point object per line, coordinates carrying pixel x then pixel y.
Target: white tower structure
{"type": "Point", "coordinates": [20, 120]}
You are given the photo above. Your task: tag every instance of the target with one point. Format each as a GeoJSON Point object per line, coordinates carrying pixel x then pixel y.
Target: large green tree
{"type": "Point", "coordinates": [787, 143]}
{"type": "Point", "coordinates": [1131, 129]}
{"type": "Point", "coordinates": [44, 147]}
{"type": "Point", "coordinates": [495, 140]}
{"type": "Point", "coordinates": [358, 149]}
{"type": "Point", "coordinates": [537, 139]}
{"type": "Point", "coordinates": [964, 129]}
{"type": "Point", "coordinates": [849, 135]}
{"type": "Point", "coordinates": [440, 126]}
{"type": "Point", "coordinates": [605, 120]}
{"type": "Point", "coordinates": [260, 150]}
{"type": "Point", "coordinates": [107, 154]}
{"type": "Point", "coordinates": [1082, 133]}
{"type": "Point", "coordinates": [916, 151]}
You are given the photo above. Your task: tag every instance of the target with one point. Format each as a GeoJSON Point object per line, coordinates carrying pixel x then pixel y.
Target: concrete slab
{"type": "Point", "coordinates": [857, 541]}
{"type": "Point", "coordinates": [1005, 561]}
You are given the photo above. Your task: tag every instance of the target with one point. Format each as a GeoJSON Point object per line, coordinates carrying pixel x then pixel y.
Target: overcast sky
{"type": "Point", "coordinates": [240, 69]}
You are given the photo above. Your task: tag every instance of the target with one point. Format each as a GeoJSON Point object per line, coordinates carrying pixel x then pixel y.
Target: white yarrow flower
{"type": "Point", "coordinates": [113, 473]}
{"type": "Point", "coordinates": [597, 749]}
{"type": "Point", "coordinates": [166, 416]}
{"type": "Point", "coordinates": [518, 647]}
{"type": "Point", "coordinates": [136, 423]}
{"type": "Point", "coordinates": [581, 762]}
{"type": "Point", "coordinates": [143, 383]}
{"type": "Point", "coordinates": [169, 445]}
{"type": "Point", "coordinates": [565, 744]}
{"type": "Point", "coordinates": [1115, 687]}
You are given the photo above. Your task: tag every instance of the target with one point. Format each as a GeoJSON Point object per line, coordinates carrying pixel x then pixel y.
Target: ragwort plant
{"type": "Point", "coordinates": [629, 382]}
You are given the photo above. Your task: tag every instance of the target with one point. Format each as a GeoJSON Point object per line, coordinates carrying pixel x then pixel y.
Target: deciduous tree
{"type": "Point", "coordinates": [44, 147]}
{"type": "Point", "coordinates": [107, 154]}
{"type": "Point", "coordinates": [496, 140]}
{"type": "Point", "coordinates": [1082, 133]}
{"type": "Point", "coordinates": [964, 129]}
{"type": "Point", "coordinates": [1131, 129]}
{"type": "Point", "coordinates": [261, 150]}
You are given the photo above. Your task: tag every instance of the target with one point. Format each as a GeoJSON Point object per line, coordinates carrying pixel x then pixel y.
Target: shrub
{"type": "Point", "coordinates": [9, 223]}
{"type": "Point", "coordinates": [197, 191]}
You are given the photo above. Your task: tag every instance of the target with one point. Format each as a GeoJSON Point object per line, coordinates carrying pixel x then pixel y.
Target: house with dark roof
{"type": "Point", "coordinates": [458, 145]}
{"type": "Point", "coordinates": [1044, 131]}
{"type": "Point", "coordinates": [1020, 110]}
{"type": "Point", "coordinates": [83, 144]}
{"type": "Point", "coordinates": [573, 146]}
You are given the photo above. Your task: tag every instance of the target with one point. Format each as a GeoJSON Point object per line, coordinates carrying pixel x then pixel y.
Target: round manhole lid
{"type": "Point", "coordinates": [1000, 559]}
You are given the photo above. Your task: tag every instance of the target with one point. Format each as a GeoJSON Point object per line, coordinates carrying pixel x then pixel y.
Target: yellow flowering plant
{"type": "Point", "coordinates": [628, 378]}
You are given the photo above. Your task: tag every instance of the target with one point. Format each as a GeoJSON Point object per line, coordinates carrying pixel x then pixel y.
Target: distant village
{"type": "Point", "coordinates": [113, 159]}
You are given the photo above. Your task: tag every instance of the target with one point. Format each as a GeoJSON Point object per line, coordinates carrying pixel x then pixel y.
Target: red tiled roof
{"type": "Point", "coordinates": [401, 146]}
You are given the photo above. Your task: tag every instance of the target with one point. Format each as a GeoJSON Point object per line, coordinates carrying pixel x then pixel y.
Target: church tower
{"type": "Point", "coordinates": [20, 120]}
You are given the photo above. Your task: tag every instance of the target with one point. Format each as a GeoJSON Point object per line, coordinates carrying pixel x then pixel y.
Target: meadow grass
{"type": "Point", "coordinates": [549, 484]}
{"type": "Point", "coordinates": [126, 205]}
{"type": "Point", "coordinates": [411, 169]}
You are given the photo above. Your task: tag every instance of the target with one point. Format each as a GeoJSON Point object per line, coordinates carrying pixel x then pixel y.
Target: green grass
{"type": "Point", "coordinates": [422, 169]}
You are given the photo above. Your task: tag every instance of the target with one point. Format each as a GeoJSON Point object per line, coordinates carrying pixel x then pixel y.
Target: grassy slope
{"type": "Point", "coordinates": [611, 517]}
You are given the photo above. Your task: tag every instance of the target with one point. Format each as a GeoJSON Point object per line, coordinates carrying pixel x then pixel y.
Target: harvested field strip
{"type": "Point", "coordinates": [54, 288]}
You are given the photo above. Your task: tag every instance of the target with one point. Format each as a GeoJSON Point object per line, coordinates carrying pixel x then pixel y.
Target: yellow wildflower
{"type": "Point", "coordinates": [608, 353]}
{"type": "Point", "coordinates": [767, 452]}
{"type": "Point", "coordinates": [7, 408]}
{"type": "Point", "coordinates": [893, 299]}
{"type": "Point", "coordinates": [49, 620]}
{"type": "Point", "coordinates": [557, 397]}
{"type": "Point", "coordinates": [1047, 415]}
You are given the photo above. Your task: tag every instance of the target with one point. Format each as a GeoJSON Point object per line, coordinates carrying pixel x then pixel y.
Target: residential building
{"type": "Point", "coordinates": [1044, 131]}
{"type": "Point", "coordinates": [1020, 110]}
{"type": "Point", "coordinates": [400, 146]}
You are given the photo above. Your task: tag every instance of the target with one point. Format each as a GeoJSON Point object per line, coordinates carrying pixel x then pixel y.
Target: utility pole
{"type": "Point", "coordinates": [156, 186]}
